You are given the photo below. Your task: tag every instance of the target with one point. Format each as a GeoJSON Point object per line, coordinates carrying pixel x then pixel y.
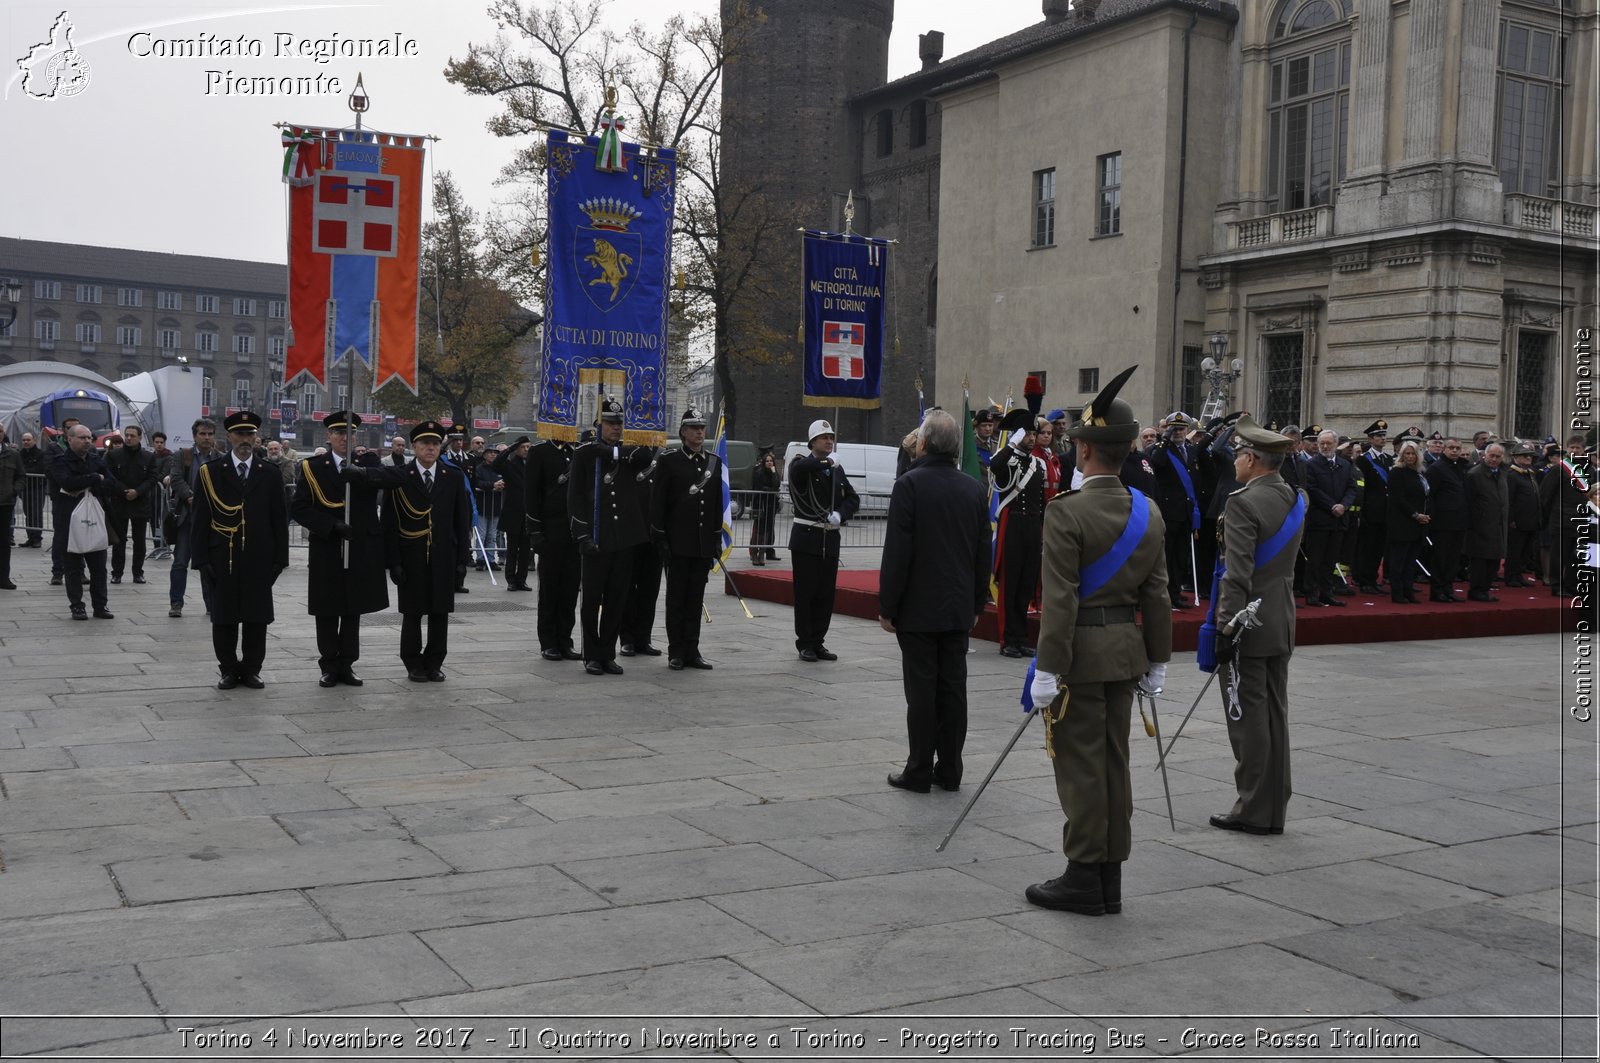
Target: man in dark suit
{"type": "Point", "coordinates": [427, 524]}
{"type": "Point", "coordinates": [686, 526]}
{"type": "Point", "coordinates": [513, 486]}
{"type": "Point", "coordinates": [1104, 566]}
{"type": "Point", "coordinates": [241, 543]}
{"type": "Point", "coordinates": [1330, 483]}
{"type": "Point", "coordinates": [932, 587]}
{"type": "Point", "coordinates": [1451, 517]}
{"type": "Point", "coordinates": [1175, 462]}
{"type": "Point", "coordinates": [608, 523]}
{"type": "Point", "coordinates": [1372, 536]}
{"type": "Point", "coordinates": [74, 472]}
{"type": "Point", "coordinates": [823, 502]}
{"type": "Point", "coordinates": [644, 577]}
{"type": "Point", "coordinates": [346, 549]}
{"type": "Point", "coordinates": [1488, 507]}
{"type": "Point", "coordinates": [397, 453]}
{"type": "Point", "coordinates": [134, 470]}
{"type": "Point", "coordinates": [548, 470]}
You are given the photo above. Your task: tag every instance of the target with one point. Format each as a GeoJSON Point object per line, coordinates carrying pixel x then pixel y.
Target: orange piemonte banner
{"type": "Point", "coordinates": [355, 233]}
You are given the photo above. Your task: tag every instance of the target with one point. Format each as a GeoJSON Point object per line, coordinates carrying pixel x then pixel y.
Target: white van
{"type": "Point", "coordinates": [869, 467]}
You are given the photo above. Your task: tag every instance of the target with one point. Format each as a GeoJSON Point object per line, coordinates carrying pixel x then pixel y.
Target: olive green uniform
{"type": "Point", "coordinates": [1099, 652]}
{"type": "Point", "coordinates": [1260, 737]}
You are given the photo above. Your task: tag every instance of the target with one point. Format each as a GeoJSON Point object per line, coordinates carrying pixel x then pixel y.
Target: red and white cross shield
{"type": "Point", "coordinates": [356, 214]}
{"type": "Point", "coordinates": [844, 345]}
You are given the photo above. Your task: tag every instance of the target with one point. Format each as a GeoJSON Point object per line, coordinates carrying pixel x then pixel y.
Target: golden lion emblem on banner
{"type": "Point", "coordinates": [612, 264]}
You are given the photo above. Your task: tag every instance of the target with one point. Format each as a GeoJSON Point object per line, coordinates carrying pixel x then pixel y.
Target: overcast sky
{"type": "Point", "coordinates": [154, 154]}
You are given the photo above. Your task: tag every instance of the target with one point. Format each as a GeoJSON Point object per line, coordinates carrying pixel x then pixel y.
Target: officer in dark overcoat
{"type": "Point", "coordinates": [1176, 464]}
{"type": "Point", "coordinates": [427, 528]}
{"type": "Point", "coordinates": [513, 468]}
{"type": "Point", "coordinates": [686, 524]}
{"type": "Point", "coordinates": [823, 503]}
{"type": "Point", "coordinates": [241, 544]}
{"type": "Point", "coordinates": [134, 470]}
{"type": "Point", "coordinates": [345, 580]}
{"type": "Point", "coordinates": [1372, 534]}
{"type": "Point", "coordinates": [608, 524]}
{"type": "Point", "coordinates": [547, 472]}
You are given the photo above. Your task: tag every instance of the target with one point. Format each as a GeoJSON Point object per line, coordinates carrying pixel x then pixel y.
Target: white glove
{"type": "Point", "coordinates": [1018, 436]}
{"type": "Point", "coordinates": [834, 520]}
{"type": "Point", "coordinates": [1044, 689]}
{"type": "Point", "coordinates": [1152, 682]}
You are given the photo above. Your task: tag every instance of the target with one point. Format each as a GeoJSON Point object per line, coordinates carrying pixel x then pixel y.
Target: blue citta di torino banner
{"type": "Point", "coordinates": [845, 277]}
{"type": "Point", "coordinates": [610, 264]}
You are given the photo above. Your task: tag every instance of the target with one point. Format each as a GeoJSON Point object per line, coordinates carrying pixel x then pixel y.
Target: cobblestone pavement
{"type": "Point", "coordinates": [525, 840]}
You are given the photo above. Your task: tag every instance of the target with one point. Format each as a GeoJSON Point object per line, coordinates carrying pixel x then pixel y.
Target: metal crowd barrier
{"type": "Point", "coordinates": [751, 522]}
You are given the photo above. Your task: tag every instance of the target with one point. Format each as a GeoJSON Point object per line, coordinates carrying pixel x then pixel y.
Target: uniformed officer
{"type": "Point", "coordinates": [823, 502]}
{"type": "Point", "coordinates": [1260, 534]}
{"type": "Point", "coordinates": [1019, 479]}
{"type": "Point", "coordinates": [346, 550]}
{"type": "Point", "coordinates": [686, 523]}
{"type": "Point", "coordinates": [427, 524]}
{"type": "Point", "coordinates": [1372, 467]}
{"type": "Point", "coordinates": [1175, 462]}
{"type": "Point", "coordinates": [241, 544]}
{"type": "Point", "coordinates": [607, 523]}
{"type": "Point", "coordinates": [1104, 559]}
{"type": "Point", "coordinates": [550, 534]}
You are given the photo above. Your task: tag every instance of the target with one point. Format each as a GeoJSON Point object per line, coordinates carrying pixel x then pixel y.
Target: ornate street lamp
{"type": "Point", "coordinates": [1220, 379]}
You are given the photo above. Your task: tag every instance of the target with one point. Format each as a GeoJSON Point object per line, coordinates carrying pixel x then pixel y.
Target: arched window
{"type": "Point", "coordinates": [1308, 104]}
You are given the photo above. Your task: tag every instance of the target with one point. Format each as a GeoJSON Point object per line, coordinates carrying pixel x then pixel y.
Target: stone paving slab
{"type": "Point", "coordinates": [241, 871]}
{"type": "Point", "coordinates": [376, 908]}
{"type": "Point", "coordinates": [110, 844]}
{"type": "Point", "coordinates": [102, 990]}
{"type": "Point", "coordinates": [1363, 891]}
{"type": "Point", "coordinates": [1525, 863]}
{"type": "Point", "coordinates": [708, 872]}
{"type": "Point", "coordinates": [575, 839]}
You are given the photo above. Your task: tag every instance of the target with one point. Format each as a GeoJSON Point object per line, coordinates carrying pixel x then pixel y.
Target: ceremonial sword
{"type": "Point", "coordinates": [1026, 720]}
{"type": "Point", "coordinates": [1242, 621]}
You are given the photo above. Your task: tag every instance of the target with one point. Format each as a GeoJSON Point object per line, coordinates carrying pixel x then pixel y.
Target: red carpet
{"type": "Point", "coordinates": [1520, 611]}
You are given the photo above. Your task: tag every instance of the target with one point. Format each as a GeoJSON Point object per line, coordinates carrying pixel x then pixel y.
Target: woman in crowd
{"type": "Point", "coordinates": [1408, 521]}
{"type": "Point", "coordinates": [764, 508]}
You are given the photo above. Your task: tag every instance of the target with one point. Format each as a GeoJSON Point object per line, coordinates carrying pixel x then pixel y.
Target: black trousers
{"type": "Point", "coordinates": [686, 596]}
{"type": "Point", "coordinates": [934, 667]}
{"type": "Point", "coordinates": [815, 579]}
{"type": "Point", "coordinates": [234, 659]}
{"type": "Point", "coordinates": [416, 656]}
{"type": "Point", "coordinates": [97, 578]}
{"type": "Point", "coordinates": [58, 545]}
{"type": "Point", "coordinates": [33, 508]}
{"type": "Point", "coordinates": [119, 529]}
{"type": "Point", "coordinates": [1372, 542]}
{"type": "Point", "coordinates": [644, 590]}
{"type": "Point", "coordinates": [1322, 550]}
{"type": "Point", "coordinates": [1401, 566]}
{"type": "Point", "coordinates": [1522, 553]}
{"type": "Point", "coordinates": [517, 552]}
{"type": "Point", "coordinates": [606, 578]}
{"type": "Point", "coordinates": [560, 573]}
{"type": "Point", "coordinates": [338, 642]}
{"type": "Point", "coordinates": [1021, 557]}
{"type": "Point", "coordinates": [1179, 567]}
{"type": "Point", "coordinates": [1446, 559]}
{"type": "Point", "coordinates": [761, 529]}
{"type": "Point", "coordinates": [7, 514]}
{"type": "Point", "coordinates": [1481, 572]}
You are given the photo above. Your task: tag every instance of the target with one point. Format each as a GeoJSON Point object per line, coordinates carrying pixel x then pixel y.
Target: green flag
{"type": "Point", "coordinates": [969, 441]}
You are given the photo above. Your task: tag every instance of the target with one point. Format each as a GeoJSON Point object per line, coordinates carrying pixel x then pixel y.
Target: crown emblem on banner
{"type": "Point", "coordinates": [609, 213]}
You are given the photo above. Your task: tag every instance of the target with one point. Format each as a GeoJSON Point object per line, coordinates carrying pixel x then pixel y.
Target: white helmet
{"type": "Point", "coordinates": [819, 428]}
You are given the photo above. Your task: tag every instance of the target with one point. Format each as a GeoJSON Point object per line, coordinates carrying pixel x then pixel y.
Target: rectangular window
{"type": "Point", "coordinates": [128, 335]}
{"type": "Point", "coordinates": [244, 343]}
{"type": "Point", "coordinates": [1284, 369]}
{"type": "Point", "coordinates": [205, 342]}
{"type": "Point", "coordinates": [88, 293]}
{"type": "Point", "coordinates": [1307, 127]}
{"type": "Point", "coordinates": [885, 124]}
{"type": "Point", "coordinates": [208, 392]}
{"type": "Point", "coordinates": [1533, 383]}
{"type": "Point", "coordinates": [244, 307]}
{"type": "Point", "coordinates": [1044, 207]}
{"type": "Point", "coordinates": [47, 331]}
{"type": "Point", "coordinates": [310, 395]}
{"type": "Point", "coordinates": [1089, 379]}
{"type": "Point", "coordinates": [130, 296]}
{"type": "Point", "coordinates": [919, 123]}
{"type": "Point", "coordinates": [169, 339]}
{"type": "Point", "coordinates": [1189, 380]}
{"type": "Point", "coordinates": [344, 396]}
{"type": "Point", "coordinates": [169, 300]}
{"type": "Point", "coordinates": [277, 308]}
{"type": "Point", "coordinates": [9, 329]}
{"type": "Point", "coordinates": [241, 391]}
{"type": "Point", "coordinates": [205, 304]}
{"type": "Point", "coordinates": [88, 332]}
{"type": "Point", "coordinates": [1108, 183]}
{"type": "Point", "coordinates": [47, 289]}
{"type": "Point", "coordinates": [275, 346]}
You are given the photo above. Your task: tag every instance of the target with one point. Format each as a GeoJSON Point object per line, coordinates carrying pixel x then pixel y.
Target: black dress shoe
{"type": "Point", "coordinates": [1010, 651]}
{"type": "Point", "coordinates": [1078, 890]}
{"type": "Point", "coordinates": [626, 649]}
{"type": "Point", "coordinates": [436, 676]}
{"type": "Point", "coordinates": [594, 668]}
{"type": "Point", "coordinates": [140, 579]}
{"type": "Point", "coordinates": [350, 679]}
{"type": "Point", "coordinates": [1229, 821]}
{"type": "Point", "coordinates": [698, 662]}
{"type": "Point", "coordinates": [809, 655]}
{"type": "Point", "coordinates": [758, 561]}
{"type": "Point", "coordinates": [252, 681]}
{"type": "Point", "coordinates": [103, 613]}
{"type": "Point", "coordinates": [825, 654]}
{"type": "Point", "coordinates": [1330, 600]}
{"type": "Point", "coordinates": [675, 663]}
{"type": "Point", "coordinates": [552, 655]}
{"type": "Point", "coordinates": [116, 579]}
{"type": "Point", "coordinates": [79, 613]}
{"type": "Point", "coordinates": [1370, 588]}
{"type": "Point", "coordinates": [328, 680]}
{"type": "Point", "coordinates": [647, 650]}
{"type": "Point", "coordinates": [772, 555]}
{"type": "Point", "coordinates": [570, 654]}
{"type": "Point", "coordinates": [1481, 596]}
{"type": "Point", "coordinates": [7, 585]}
{"type": "Point", "coordinates": [55, 581]}
{"type": "Point", "coordinates": [416, 675]}
{"type": "Point", "coordinates": [611, 667]}
{"type": "Point", "coordinates": [228, 681]}
{"type": "Point", "coordinates": [900, 782]}
{"type": "Point", "coordinates": [1111, 886]}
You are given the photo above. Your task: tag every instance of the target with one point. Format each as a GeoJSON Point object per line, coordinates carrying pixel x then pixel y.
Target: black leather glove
{"type": "Point", "coordinates": [1226, 648]}
{"type": "Point", "coordinates": [588, 546]}
{"type": "Point", "coordinates": [343, 530]}
{"type": "Point", "coordinates": [350, 474]}
{"type": "Point", "coordinates": [397, 575]}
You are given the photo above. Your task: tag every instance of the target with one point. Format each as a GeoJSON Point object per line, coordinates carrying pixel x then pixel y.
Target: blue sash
{"type": "Point", "coordinates": [1206, 648]}
{"type": "Point", "coordinates": [1095, 575]}
{"type": "Point", "coordinates": [1377, 467]}
{"type": "Point", "coordinates": [1188, 488]}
